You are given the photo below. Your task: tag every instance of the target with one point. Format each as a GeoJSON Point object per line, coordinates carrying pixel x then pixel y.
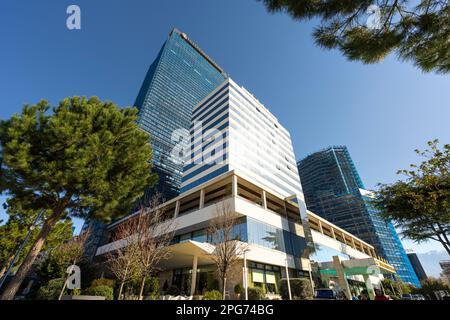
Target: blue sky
{"type": "Point", "coordinates": [381, 112]}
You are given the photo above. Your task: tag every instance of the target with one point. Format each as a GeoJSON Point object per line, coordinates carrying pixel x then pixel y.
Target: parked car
{"type": "Point", "coordinates": [418, 297]}
{"type": "Point", "coordinates": [326, 294]}
{"type": "Point", "coordinates": [407, 296]}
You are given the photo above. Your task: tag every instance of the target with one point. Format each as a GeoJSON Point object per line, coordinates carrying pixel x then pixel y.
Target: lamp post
{"type": "Point", "coordinates": [288, 280]}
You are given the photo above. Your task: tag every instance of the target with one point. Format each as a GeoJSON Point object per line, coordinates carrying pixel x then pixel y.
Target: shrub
{"type": "Point", "coordinates": [102, 291]}
{"type": "Point", "coordinates": [173, 291]}
{"type": "Point", "coordinates": [103, 282]}
{"type": "Point", "coordinates": [50, 291]}
{"type": "Point", "coordinates": [75, 292]}
{"type": "Point", "coordinates": [212, 295]}
{"type": "Point", "coordinates": [151, 288]}
{"type": "Point", "coordinates": [300, 289]}
{"type": "Point", "coordinates": [238, 289]}
{"type": "Point", "coordinates": [256, 293]}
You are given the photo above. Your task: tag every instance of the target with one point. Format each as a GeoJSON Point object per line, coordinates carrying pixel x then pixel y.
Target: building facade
{"type": "Point", "coordinates": [417, 266]}
{"type": "Point", "coordinates": [232, 131]}
{"type": "Point", "coordinates": [241, 158]}
{"type": "Point", "coordinates": [445, 275]}
{"type": "Point", "coordinates": [334, 190]}
{"type": "Point", "coordinates": [180, 76]}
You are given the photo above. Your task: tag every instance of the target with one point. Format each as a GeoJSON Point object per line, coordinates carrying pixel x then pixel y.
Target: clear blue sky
{"type": "Point", "coordinates": [381, 112]}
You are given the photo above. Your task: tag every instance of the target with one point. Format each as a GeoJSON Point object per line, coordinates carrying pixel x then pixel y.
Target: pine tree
{"type": "Point", "coordinates": [368, 30]}
{"type": "Point", "coordinates": [14, 231]}
{"type": "Point", "coordinates": [83, 158]}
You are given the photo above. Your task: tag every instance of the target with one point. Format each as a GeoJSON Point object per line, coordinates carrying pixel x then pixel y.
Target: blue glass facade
{"type": "Point", "coordinates": [256, 232]}
{"type": "Point", "coordinates": [388, 245]}
{"type": "Point", "coordinates": [332, 189]}
{"type": "Point", "coordinates": [179, 78]}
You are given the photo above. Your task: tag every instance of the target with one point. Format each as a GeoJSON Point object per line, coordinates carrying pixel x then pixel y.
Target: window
{"type": "Point", "coordinates": [264, 276]}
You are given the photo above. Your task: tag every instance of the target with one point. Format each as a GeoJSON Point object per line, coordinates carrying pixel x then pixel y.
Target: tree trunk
{"type": "Point", "coordinates": [120, 290]}
{"type": "Point", "coordinates": [447, 247]}
{"type": "Point", "coordinates": [5, 267]}
{"type": "Point", "coordinates": [141, 291]}
{"type": "Point", "coordinates": [27, 263]}
{"type": "Point", "coordinates": [444, 243]}
{"type": "Point", "coordinates": [224, 285]}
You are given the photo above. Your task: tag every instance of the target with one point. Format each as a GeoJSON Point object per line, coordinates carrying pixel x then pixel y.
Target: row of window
{"type": "Point", "coordinates": [255, 232]}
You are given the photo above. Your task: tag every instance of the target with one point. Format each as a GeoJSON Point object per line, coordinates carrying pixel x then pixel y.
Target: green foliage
{"type": "Point", "coordinates": [416, 31]}
{"type": "Point", "coordinates": [238, 288]}
{"type": "Point", "coordinates": [430, 286]}
{"type": "Point", "coordinates": [50, 291]}
{"type": "Point", "coordinates": [75, 292]}
{"type": "Point", "coordinates": [395, 289]}
{"type": "Point", "coordinates": [102, 291]}
{"type": "Point", "coordinates": [14, 231]}
{"type": "Point", "coordinates": [212, 295]}
{"type": "Point", "coordinates": [103, 282]}
{"type": "Point", "coordinates": [300, 289]}
{"type": "Point", "coordinates": [84, 158]}
{"type": "Point", "coordinates": [58, 259]}
{"type": "Point", "coordinates": [256, 293]}
{"type": "Point", "coordinates": [420, 206]}
{"type": "Point", "coordinates": [90, 151]}
{"type": "Point", "coordinates": [151, 288]}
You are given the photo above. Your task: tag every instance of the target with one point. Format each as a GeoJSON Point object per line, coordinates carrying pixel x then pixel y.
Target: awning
{"type": "Point", "coordinates": [182, 255]}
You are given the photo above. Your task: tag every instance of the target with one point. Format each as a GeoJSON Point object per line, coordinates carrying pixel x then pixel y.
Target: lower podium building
{"type": "Point", "coordinates": [241, 158]}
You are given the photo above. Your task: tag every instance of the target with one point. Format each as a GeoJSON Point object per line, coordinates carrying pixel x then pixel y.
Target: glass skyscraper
{"type": "Point", "coordinates": [179, 78]}
{"type": "Point", "coordinates": [334, 190]}
{"type": "Point", "coordinates": [417, 266]}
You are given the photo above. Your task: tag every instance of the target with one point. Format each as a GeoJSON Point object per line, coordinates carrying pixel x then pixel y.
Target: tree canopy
{"type": "Point", "coordinates": [88, 152]}
{"type": "Point", "coordinates": [420, 205]}
{"type": "Point", "coordinates": [368, 30]}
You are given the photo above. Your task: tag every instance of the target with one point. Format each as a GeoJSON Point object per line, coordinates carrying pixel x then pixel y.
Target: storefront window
{"type": "Point", "coordinates": [264, 276]}
{"type": "Point", "coordinates": [272, 237]}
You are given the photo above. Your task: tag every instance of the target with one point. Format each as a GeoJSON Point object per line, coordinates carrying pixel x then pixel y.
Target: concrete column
{"type": "Point", "coordinates": [320, 227]}
{"type": "Point", "coordinates": [332, 233]}
{"type": "Point", "coordinates": [177, 208]}
{"type": "Point", "coordinates": [264, 200]}
{"type": "Point", "coordinates": [369, 287]}
{"type": "Point", "coordinates": [194, 275]}
{"type": "Point", "coordinates": [202, 199]}
{"type": "Point", "coordinates": [234, 186]}
{"type": "Point", "coordinates": [342, 280]}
